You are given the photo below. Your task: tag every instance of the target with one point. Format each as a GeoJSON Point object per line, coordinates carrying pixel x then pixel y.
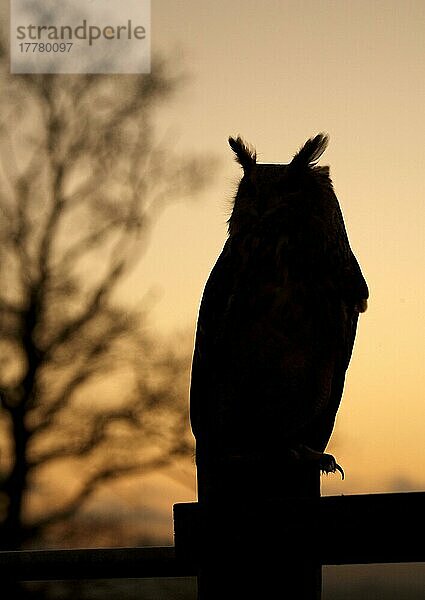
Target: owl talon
{"type": "Point", "coordinates": [341, 470]}
{"type": "Point", "coordinates": [328, 464]}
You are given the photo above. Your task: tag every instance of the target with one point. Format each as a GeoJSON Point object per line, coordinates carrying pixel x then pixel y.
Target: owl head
{"type": "Point", "coordinates": [278, 191]}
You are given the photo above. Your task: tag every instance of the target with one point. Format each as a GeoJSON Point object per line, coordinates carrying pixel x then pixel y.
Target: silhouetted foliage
{"type": "Point", "coordinates": [85, 390]}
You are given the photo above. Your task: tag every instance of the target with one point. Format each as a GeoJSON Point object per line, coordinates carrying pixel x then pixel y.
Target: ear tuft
{"type": "Point", "coordinates": [311, 151]}
{"type": "Point", "coordinates": [245, 155]}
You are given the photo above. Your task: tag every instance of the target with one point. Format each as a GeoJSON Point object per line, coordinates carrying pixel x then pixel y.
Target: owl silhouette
{"type": "Point", "coordinates": [277, 321]}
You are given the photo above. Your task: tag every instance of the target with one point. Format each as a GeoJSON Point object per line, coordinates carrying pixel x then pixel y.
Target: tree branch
{"type": "Point", "coordinates": [96, 436]}
{"type": "Point", "coordinates": [105, 475]}
{"type": "Point", "coordinates": [74, 326]}
{"type": "Point", "coordinates": [91, 366]}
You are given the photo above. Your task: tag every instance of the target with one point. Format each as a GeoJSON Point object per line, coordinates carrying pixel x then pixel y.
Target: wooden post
{"type": "Point", "coordinates": [249, 547]}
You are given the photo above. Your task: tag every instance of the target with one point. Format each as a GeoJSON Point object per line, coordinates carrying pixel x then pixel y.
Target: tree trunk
{"type": "Point", "coordinates": [13, 531]}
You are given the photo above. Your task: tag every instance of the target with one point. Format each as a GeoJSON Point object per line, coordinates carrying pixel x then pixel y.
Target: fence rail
{"type": "Point", "coordinates": [354, 529]}
{"type": "Point", "coordinates": [357, 529]}
{"type": "Point", "coordinates": [92, 563]}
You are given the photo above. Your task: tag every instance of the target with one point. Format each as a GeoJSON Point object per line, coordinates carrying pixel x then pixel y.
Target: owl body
{"type": "Point", "coordinates": [278, 316]}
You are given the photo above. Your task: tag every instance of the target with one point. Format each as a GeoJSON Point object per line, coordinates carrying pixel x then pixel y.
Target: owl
{"type": "Point", "coordinates": [277, 320]}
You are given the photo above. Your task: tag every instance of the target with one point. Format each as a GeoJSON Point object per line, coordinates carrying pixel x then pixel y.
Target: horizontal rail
{"type": "Point", "coordinates": [96, 563]}
{"type": "Point", "coordinates": [372, 528]}
{"type": "Point", "coordinates": [335, 530]}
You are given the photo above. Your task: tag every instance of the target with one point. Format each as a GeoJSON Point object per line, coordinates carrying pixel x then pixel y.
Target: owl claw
{"type": "Point", "coordinates": [341, 470]}
{"type": "Point", "coordinates": [326, 462]}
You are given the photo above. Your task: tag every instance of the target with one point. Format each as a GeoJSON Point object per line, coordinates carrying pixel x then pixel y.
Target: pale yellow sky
{"type": "Point", "coordinates": [278, 72]}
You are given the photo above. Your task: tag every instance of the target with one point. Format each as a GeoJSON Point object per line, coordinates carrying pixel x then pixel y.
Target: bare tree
{"type": "Point", "coordinates": [84, 387]}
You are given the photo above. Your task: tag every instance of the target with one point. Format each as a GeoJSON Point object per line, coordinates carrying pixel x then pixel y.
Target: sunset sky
{"type": "Point", "coordinates": [276, 73]}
